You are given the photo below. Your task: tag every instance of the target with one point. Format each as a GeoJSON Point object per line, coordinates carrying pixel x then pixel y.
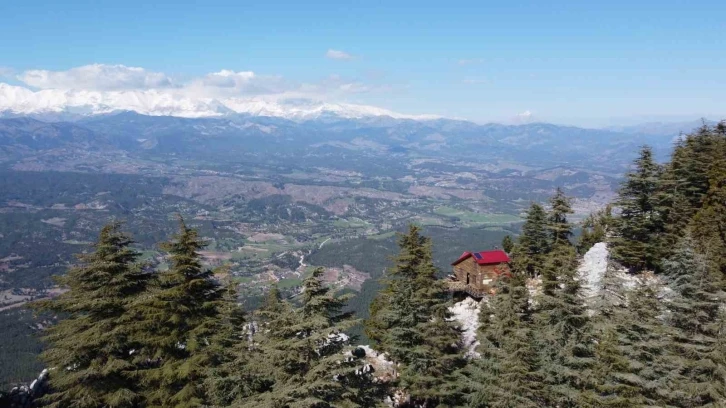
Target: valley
{"type": "Point", "coordinates": [274, 198]}
{"type": "Point", "coordinates": [267, 192]}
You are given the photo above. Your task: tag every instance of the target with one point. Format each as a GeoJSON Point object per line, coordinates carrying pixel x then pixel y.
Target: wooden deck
{"type": "Point", "coordinates": [456, 286]}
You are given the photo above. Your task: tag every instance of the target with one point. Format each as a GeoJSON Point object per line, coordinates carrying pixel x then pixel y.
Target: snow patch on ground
{"type": "Point", "coordinates": [382, 366]}
{"type": "Point", "coordinates": [466, 313]}
{"type": "Point", "coordinates": [630, 281]}
{"type": "Point", "coordinates": [596, 262]}
{"type": "Point", "coordinates": [593, 267]}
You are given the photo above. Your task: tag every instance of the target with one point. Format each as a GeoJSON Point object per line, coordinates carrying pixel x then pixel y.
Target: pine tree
{"type": "Point", "coordinates": [612, 372]}
{"type": "Point", "coordinates": [227, 377]}
{"type": "Point", "coordinates": [506, 375]}
{"type": "Point", "coordinates": [709, 223]}
{"type": "Point", "coordinates": [179, 319]}
{"type": "Point", "coordinates": [563, 331]}
{"type": "Point", "coordinates": [259, 365]}
{"type": "Point", "coordinates": [618, 352]}
{"type": "Point", "coordinates": [375, 327]}
{"type": "Point", "coordinates": [273, 299]}
{"type": "Point", "coordinates": [507, 244]}
{"type": "Point", "coordinates": [304, 356]}
{"type": "Point", "coordinates": [696, 315]}
{"type": "Point", "coordinates": [644, 340]}
{"type": "Point", "coordinates": [640, 226]}
{"type": "Point", "coordinates": [687, 179]}
{"type": "Point", "coordinates": [251, 373]}
{"type": "Point", "coordinates": [588, 235]}
{"type": "Point", "coordinates": [560, 228]}
{"type": "Point", "coordinates": [595, 229]}
{"type": "Point", "coordinates": [692, 161]}
{"type": "Point", "coordinates": [610, 297]}
{"type": "Point", "coordinates": [677, 209]}
{"type": "Point", "coordinates": [90, 348]}
{"type": "Point", "coordinates": [534, 242]}
{"type": "Point", "coordinates": [230, 327]}
{"type": "Point", "coordinates": [677, 214]}
{"type": "Point", "coordinates": [272, 306]}
{"type": "Point", "coordinates": [411, 325]}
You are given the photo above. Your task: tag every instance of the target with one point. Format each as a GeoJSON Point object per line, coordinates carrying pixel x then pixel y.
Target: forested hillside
{"type": "Point", "coordinates": [650, 333]}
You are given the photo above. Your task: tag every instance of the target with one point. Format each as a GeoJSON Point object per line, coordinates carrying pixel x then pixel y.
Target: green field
{"type": "Point", "coordinates": [75, 242]}
{"type": "Point", "coordinates": [472, 218]}
{"type": "Point", "coordinates": [429, 221]}
{"type": "Point", "coordinates": [242, 279]}
{"type": "Point", "coordinates": [352, 222]}
{"type": "Point", "coordinates": [382, 235]}
{"type": "Point", "coordinates": [289, 283]}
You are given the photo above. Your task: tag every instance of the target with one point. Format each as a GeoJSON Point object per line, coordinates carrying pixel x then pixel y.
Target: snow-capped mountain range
{"type": "Point", "coordinates": [17, 100]}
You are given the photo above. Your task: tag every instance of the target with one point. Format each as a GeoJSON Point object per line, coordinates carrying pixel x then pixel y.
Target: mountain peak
{"type": "Point", "coordinates": [18, 100]}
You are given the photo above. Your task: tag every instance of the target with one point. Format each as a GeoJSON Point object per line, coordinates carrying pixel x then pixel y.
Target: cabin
{"type": "Point", "coordinates": [475, 273]}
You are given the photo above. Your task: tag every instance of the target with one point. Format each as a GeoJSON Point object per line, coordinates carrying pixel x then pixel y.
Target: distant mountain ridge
{"type": "Point", "coordinates": [73, 104]}
{"type": "Point", "coordinates": [37, 135]}
{"type": "Point", "coordinates": [663, 128]}
{"type": "Point", "coordinates": [58, 105]}
{"type": "Point", "coordinates": [539, 144]}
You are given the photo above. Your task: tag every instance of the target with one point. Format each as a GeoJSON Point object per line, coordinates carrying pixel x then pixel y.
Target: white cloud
{"type": "Point", "coordinates": [228, 83]}
{"type": "Point", "coordinates": [523, 118]}
{"type": "Point", "coordinates": [338, 55]}
{"type": "Point", "coordinates": [228, 79]}
{"type": "Point", "coordinates": [98, 89]}
{"type": "Point", "coordinates": [97, 77]}
{"type": "Point", "coordinates": [218, 85]}
{"type": "Point", "coordinates": [6, 72]}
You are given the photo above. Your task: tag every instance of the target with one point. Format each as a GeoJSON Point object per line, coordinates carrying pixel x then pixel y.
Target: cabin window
{"type": "Point", "coordinates": [486, 281]}
{"type": "Point", "coordinates": [467, 278]}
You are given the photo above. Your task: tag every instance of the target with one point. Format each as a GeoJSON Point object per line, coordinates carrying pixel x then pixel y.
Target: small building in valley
{"type": "Point", "coordinates": [475, 273]}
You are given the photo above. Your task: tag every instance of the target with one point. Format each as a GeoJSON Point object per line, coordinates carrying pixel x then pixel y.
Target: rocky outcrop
{"type": "Point", "coordinates": [26, 396]}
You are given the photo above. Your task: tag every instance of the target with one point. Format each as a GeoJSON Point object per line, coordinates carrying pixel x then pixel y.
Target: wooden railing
{"type": "Point", "coordinates": [456, 286]}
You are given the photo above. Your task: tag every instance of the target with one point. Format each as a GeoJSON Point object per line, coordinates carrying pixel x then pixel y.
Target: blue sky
{"type": "Point", "coordinates": [578, 62]}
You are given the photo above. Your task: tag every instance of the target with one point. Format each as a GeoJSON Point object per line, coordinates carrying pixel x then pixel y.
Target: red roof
{"type": "Point", "coordinates": [485, 257]}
